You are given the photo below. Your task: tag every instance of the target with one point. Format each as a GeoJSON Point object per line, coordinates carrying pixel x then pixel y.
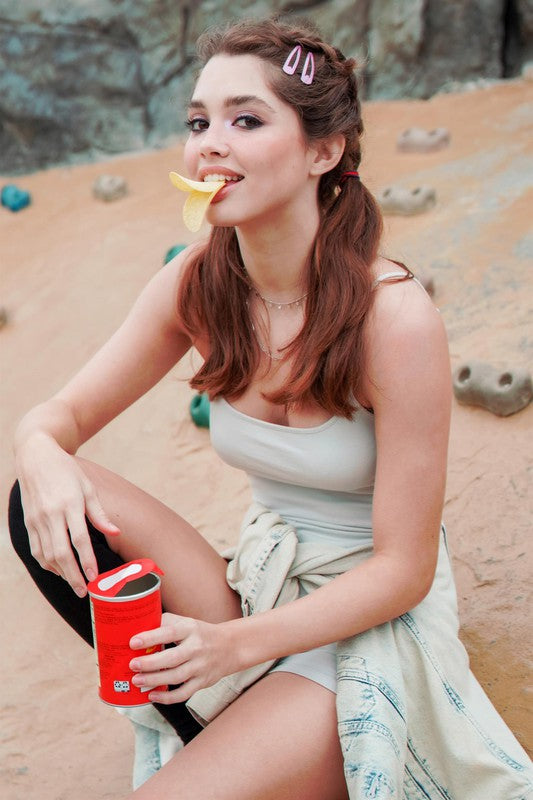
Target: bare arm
{"type": "Point", "coordinates": [410, 392]}
{"type": "Point", "coordinates": [56, 494]}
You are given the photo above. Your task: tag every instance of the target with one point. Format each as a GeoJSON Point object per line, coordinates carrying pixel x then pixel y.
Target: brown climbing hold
{"type": "Point", "coordinates": [418, 140]}
{"type": "Point", "coordinates": [503, 392]}
{"type": "Point", "coordinates": [397, 200]}
{"type": "Point", "coordinates": [109, 187]}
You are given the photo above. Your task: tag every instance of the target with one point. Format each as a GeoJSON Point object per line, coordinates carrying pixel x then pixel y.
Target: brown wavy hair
{"type": "Point", "coordinates": [328, 359]}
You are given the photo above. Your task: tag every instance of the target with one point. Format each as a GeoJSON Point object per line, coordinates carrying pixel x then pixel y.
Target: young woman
{"type": "Point", "coordinates": [328, 374]}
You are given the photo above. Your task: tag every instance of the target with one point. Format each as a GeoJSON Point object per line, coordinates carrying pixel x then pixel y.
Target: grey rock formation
{"type": "Point", "coordinates": [80, 78]}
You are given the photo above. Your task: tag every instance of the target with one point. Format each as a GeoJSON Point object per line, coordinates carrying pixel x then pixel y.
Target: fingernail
{"type": "Point", "coordinates": [91, 574]}
{"type": "Point", "coordinates": [80, 591]}
{"type": "Point", "coordinates": [137, 680]}
{"type": "Point", "coordinates": [136, 642]}
{"type": "Point", "coordinates": [135, 665]}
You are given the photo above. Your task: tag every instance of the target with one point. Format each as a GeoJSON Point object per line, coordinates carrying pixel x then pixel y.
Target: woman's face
{"type": "Point", "coordinates": [242, 131]}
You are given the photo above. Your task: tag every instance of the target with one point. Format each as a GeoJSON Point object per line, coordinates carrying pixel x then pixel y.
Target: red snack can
{"type": "Point", "coordinates": [124, 601]}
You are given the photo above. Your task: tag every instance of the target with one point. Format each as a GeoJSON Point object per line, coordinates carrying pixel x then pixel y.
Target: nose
{"type": "Point", "coordinates": [213, 142]}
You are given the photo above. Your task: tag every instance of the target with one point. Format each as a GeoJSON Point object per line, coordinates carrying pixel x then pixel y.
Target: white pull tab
{"type": "Point", "coordinates": [112, 580]}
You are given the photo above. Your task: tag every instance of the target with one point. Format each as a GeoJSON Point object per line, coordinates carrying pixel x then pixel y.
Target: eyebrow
{"type": "Point", "coordinates": [238, 100]}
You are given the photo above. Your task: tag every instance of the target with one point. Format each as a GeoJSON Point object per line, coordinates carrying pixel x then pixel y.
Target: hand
{"type": "Point", "coordinates": [56, 496]}
{"type": "Point", "coordinates": [204, 653]}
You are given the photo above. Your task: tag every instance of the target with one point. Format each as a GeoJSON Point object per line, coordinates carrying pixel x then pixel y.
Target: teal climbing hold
{"type": "Point", "coordinates": [199, 409]}
{"type": "Point", "coordinates": [174, 252]}
{"type": "Point", "coordinates": [14, 198]}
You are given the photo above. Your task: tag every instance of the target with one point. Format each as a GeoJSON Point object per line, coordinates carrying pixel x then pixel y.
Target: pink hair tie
{"type": "Point", "coordinates": [350, 174]}
{"type": "Point", "coordinates": [292, 61]}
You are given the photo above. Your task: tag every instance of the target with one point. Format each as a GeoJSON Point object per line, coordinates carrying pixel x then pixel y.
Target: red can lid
{"type": "Point", "coordinates": [109, 584]}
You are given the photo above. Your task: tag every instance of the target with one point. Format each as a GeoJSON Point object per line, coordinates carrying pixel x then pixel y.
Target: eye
{"type": "Point", "coordinates": [247, 121]}
{"type": "Point", "coordinates": [197, 124]}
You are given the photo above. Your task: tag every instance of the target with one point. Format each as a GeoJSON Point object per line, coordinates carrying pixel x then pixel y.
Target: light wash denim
{"type": "Point", "coordinates": [413, 722]}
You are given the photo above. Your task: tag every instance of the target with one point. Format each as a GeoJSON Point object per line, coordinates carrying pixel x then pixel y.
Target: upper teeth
{"type": "Point", "coordinates": [214, 176]}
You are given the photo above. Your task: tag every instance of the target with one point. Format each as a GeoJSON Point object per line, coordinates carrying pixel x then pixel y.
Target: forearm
{"type": "Point", "coordinates": [374, 592]}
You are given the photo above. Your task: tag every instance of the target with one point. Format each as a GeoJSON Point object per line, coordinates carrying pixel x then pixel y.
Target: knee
{"type": "Point", "coordinates": [17, 527]}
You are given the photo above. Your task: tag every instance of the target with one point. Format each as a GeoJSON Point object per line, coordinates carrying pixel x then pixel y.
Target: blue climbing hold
{"type": "Point", "coordinates": [199, 409]}
{"type": "Point", "coordinates": [174, 252]}
{"type": "Point", "coordinates": [14, 198]}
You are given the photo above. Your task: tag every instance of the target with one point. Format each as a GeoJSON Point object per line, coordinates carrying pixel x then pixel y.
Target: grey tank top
{"type": "Point", "coordinates": [319, 479]}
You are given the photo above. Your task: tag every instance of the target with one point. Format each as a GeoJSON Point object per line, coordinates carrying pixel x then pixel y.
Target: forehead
{"type": "Point", "coordinates": [225, 75]}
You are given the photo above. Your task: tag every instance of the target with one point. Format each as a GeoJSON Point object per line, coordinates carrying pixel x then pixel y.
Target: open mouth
{"type": "Point", "coordinates": [213, 188]}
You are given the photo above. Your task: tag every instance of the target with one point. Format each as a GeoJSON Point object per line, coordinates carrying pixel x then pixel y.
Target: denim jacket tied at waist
{"type": "Point", "coordinates": [413, 722]}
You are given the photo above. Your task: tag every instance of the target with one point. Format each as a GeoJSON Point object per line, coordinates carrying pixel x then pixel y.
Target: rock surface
{"type": "Point", "coordinates": [71, 268]}
{"type": "Point", "coordinates": [97, 77]}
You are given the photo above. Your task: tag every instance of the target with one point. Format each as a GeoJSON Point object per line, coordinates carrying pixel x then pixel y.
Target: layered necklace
{"type": "Point", "coordinates": [278, 307]}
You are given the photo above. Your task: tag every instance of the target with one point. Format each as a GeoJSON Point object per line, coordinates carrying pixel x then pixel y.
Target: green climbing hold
{"type": "Point", "coordinates": [174, 252]}
{"type": "Point", "coordinates": [199, 409]}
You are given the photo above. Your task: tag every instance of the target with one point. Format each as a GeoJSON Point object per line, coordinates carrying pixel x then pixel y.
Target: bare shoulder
{"type": "Point", "coordinates": [173, 270]}
{"type": "Point", "coordinates": [401, 307]}
{"type": "Point", "coordinates": [407, 346]}
{"type": "Point", "coordinates": [161, 292]}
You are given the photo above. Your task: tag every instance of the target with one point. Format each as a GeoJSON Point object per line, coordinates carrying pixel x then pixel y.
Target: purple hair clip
{"type": "Point", "coordinates": [292, 61]}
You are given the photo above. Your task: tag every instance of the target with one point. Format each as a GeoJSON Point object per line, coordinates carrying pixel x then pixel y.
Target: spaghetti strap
{"type": "Point", "coordinates": [396, 277]}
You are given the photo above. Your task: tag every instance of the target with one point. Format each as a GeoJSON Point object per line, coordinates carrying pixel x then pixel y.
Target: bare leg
{"type": "Point", "coordinates": [277, 741]}
{"type": "Point", "coordinates": [195, 574]}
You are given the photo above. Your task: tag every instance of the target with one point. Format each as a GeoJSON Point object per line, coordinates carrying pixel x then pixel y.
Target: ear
{"type": "Point", "coordinates": [326, 154]}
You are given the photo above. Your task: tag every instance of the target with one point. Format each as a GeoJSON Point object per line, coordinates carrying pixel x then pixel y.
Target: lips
{"type": "Point", "coordinates": [202, 193]}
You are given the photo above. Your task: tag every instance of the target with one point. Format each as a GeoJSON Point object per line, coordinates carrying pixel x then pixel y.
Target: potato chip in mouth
{"type": "Point", "coordinates": [200, 196]}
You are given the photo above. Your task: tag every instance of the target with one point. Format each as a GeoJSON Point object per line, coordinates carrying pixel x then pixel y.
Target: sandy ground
{"type": "Point", "coordinates": [71, 267]}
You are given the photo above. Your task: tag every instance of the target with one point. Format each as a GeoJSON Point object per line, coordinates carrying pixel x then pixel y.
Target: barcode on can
{"type": "Point", "coordinates": [121, 686]}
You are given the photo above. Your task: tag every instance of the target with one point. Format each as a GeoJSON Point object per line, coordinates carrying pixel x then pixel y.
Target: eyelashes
{"type": "Point", "coordinates": [246, 122]}
{"type": "Point", "coordinates": [250, 122]}
{"type": "Point", "coordinates": [197, 124]}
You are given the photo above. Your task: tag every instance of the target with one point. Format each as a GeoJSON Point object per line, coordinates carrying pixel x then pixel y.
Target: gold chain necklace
{"type": "Point", "coordinates": [281, 306]}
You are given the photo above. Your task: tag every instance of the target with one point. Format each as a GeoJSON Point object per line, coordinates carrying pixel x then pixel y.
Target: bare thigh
{"type": "Point", "coordinates": [195, 583]}
{"type": "Point", "coordinates": [277, 741]}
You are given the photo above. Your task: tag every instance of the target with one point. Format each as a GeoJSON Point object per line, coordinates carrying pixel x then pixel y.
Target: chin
{"type": "Point", "coordinates": [220, 217]}
{"type": "Point", "coordinates": [218, 220]}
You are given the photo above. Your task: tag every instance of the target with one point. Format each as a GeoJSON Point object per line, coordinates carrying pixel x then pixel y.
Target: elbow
{"type": "Point", "coordinates": [422, 592]}
{"type": "Point", "coordinates": [420, 584]}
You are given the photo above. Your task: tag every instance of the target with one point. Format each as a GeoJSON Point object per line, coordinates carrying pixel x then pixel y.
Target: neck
{"type": "Point", "coordinates": [275, 257]}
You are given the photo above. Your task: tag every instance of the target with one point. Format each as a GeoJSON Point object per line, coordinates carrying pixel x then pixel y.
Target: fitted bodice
{"type": "Point", "coordinates": [319, 479]}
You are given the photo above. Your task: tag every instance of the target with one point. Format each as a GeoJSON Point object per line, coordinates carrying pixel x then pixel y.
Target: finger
{"type": "Point", "coordinates": [81, 541]}
{"type": "Point", "coordinates": [36, 548]}
{"type": "Point", "coordinates": [37, 552]}
{"type": "Point", "coordinates": [63, 556]}
{"type": "Point", "coordinates": [163, 659]}
{"type": "Point", "coordinates": [166, 634]}
{"type": "Point", "coordinates": [179, 695]}
{"type": "Point", "coordinates": [174, 676]}
{"type": "Point", "coordinates": [96, 513]}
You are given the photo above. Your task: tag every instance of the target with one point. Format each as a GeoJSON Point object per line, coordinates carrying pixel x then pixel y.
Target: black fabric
{"type": "Point", "coordinates": [75, 610]}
